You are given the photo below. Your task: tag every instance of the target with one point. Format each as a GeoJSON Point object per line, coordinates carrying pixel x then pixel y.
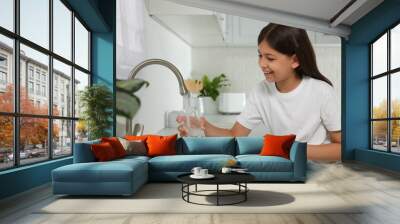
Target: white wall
{"type": "Point", "coordinates": [240, 64]}
{"type": "Point", "coordinates": [154, 41]}
{"type": "Point", "coordinates": [329, 61]}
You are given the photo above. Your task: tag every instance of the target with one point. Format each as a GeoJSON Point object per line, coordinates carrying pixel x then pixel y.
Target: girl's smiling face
{"type": "Point", "coordinates": [275, 65]}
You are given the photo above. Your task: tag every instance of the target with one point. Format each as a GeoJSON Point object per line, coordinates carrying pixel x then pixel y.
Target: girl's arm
{"type": "Point", "coordinates": [210, 129]}
{"type": "Point", "coordinates": [236, 130]}
{"type": "Point", "coordinates": [327, 152]}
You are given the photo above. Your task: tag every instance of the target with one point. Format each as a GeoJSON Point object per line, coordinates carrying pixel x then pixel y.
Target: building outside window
{"type": "Point", "coordinates": [43, 90]}
{"type": "Point", "coordinates": [43, 78]}
{"type": "Point", "coordinates": [3, 78]}
{"type": "Point", "coordinates": [30, 87]}
{"type": "Point", "coordinates": [38, 89]}
{"type": "Point", "coordinates": [37, 75]}
{"type": "Point", "coordinates": [3, 61]}
{"type": "Point", "coordinates": [3, 72]}
{"type": "Point", "coordinates": [30, 72]}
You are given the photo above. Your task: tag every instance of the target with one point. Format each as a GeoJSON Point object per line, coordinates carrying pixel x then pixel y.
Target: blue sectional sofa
{"type": "Point", "coordinates": [125, 176]}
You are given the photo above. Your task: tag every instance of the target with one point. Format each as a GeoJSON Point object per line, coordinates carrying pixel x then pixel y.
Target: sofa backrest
{"type": "Point", "coordinates": [192, 146]}
{"type": "Point", "coordinates": [83, 152]}
{"type": "Point", "coordinates": [249, 145]}
{"type": "Point", "coordinates": [206, 145]}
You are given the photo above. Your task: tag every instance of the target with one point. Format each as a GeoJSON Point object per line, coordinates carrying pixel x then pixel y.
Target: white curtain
{"type": "Point", "coordinates": [130, 35]}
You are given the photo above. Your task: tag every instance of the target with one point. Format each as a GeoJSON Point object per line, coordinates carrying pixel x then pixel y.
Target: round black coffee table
{"type": "Point", "coordinates": [238, 179]}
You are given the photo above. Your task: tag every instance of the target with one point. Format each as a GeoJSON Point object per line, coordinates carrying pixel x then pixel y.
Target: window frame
{"type": "Point", "coordinates": [15, 71]}
{"type": "Point", "coordinates": [388, 74]}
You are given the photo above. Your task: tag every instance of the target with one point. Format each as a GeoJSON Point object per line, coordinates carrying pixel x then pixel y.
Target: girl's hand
{"type": "Point", "coordinates": [194, 123]}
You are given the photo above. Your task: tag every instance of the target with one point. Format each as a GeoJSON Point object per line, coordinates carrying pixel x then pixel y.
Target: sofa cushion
{"type": "Point", "coordinates": [257, 163]}
{"type": "Point", "coordinates": [116, 145]}
{"type": "Point", "coordinates": [134, 147]}
{"type": "Point", "coordinates": [111, 171]}
{"type": "Point", "coordinates": [275, 145]}
{"type": "Point", "coordinates": [136, 137]}
{"type": "Point", "coordinates": [185, 163]}
{"type": "Point", "coordinates": [161, 145]}
{"type": "Point", "coordinates": [206, 145]}
{"type": "Point", "coordinates": [103, 151]}
{"type": "Point", "coordinates": [249, 145]}
{"type": "Point", "coordinates": [132, 158]}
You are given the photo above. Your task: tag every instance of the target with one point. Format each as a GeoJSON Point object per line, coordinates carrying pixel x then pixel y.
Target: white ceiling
{"type": "Point", "coordinates": [196, 21]}
{"type": "Point", "coordinates": [313, 15]}
{"type": "Point", "coordinates": [320, 9]}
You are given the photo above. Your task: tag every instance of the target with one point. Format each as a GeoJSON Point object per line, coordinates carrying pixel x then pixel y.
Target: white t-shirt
{"type": "Point", "coordinates": [308, 111]}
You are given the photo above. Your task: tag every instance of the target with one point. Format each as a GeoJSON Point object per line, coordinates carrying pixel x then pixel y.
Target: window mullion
{"type": "Point", "coordinates": [389, 106]}
{"type": "Point", "coordinates": [50, 81]}
{"type": "Point", "coordinates": [16, 70]}
{"type": "Point", "coordinates": [73, 82]}
{"type": "Point", "coordinates": [370, 98]}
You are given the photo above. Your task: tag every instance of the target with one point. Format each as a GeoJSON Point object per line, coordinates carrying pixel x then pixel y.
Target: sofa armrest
{"type": "Point", "coordinates": [83, 152]}
{"type": "Point", "coordinates": [298, 155]}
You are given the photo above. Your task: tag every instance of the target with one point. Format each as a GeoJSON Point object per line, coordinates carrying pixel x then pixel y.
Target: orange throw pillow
{"type": "Point", "coordinates": [103, 152]}
{"type": "Point", "coordinates": [161, 145]}
{"type": "Point", "coordinates": [116, 145]}
{"type": "Point", "coordinates": [275, 145]}
{"type": "Point", "coordinates": [136, 138]}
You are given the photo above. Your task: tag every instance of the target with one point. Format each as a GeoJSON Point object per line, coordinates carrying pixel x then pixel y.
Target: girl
{"type": "Point", "coordinates": [295, 98]}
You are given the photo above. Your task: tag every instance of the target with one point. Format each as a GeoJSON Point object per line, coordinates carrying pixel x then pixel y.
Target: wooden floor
{"type": "Point", "coordinates": [379, 189]}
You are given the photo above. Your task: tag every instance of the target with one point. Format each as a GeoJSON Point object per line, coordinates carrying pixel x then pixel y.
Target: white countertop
{"type": "Point", "coordinates": [219, 120]}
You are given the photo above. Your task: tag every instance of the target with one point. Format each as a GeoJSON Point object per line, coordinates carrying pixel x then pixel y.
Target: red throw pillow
{"type": "Point", "coordinates": [277, 145]}
{"type": "Point", "coordinates": [161, 145]}
{"type": "Point", "coordinates": [103, 151]}
{"type": "Point", "coordinates": [116, 145]}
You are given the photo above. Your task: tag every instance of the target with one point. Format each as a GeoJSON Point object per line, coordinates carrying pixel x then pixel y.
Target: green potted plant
{"type": "Point", "coordinates": [96, 102]}
{"type": "Point", "coordinates": [210, 92]}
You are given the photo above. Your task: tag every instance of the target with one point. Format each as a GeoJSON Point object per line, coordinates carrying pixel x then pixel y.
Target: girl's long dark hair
{"type": "Point", "coordinates": [289, 41]}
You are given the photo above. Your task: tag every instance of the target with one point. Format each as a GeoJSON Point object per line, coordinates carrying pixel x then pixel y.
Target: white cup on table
{"type": "Point", "coordinates": [196, 170]}
{"type": "Point", "coordinates": [203, 172]}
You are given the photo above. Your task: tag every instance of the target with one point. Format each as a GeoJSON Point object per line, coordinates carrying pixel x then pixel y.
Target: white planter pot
{"type": "Point", "coordinates": [208, 105]}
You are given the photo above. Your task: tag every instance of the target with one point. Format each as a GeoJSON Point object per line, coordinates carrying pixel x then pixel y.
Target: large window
{"type": "Point", "coordinates": [385, 91]}
{"type": "Point", "coordinates": [44, 64]}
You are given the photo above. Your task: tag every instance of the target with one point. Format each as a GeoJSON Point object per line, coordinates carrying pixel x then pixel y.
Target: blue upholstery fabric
{"type": "Point", "coordinates": [94, 172]}
{"type": "Point", "coordinates": [257, 163]}
{"type": "Point", "coordinates": [206, 145]}
{"type": "Point", "coordinates": [249, 145]}
{"type": "Point", "coordinates": [184, 163]}
{"type": "Point", "coordinates": [129, 158]}
{"type": "Point", "coordinates": [99, 188]}
{"type": "Point", "coordinates": [118, 177]}
{"type": "Point", "coordinates": [298, 155]}
{"type": "Point", "coordinates": [167, 168]}
{"type": "Point", "coordinates": [83, 152]}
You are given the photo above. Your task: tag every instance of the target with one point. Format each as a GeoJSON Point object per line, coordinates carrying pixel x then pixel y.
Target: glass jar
{"type": "Point", "coordinates": [192, 115]}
